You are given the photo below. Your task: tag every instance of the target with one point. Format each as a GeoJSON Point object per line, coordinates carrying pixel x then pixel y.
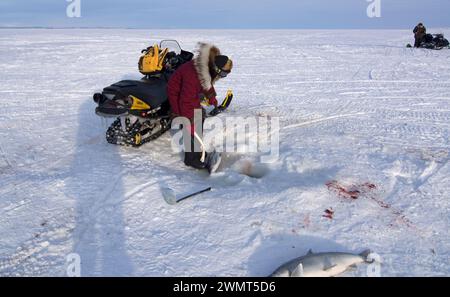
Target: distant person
{"type": "Point", "coordinates": [419, 34]}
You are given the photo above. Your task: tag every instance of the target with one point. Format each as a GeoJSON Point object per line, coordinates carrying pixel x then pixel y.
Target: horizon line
{"type": "Point", "coordinates": [167, 28]}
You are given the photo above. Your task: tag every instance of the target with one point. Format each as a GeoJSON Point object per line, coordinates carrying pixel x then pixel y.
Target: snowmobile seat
{"type": "Point", "coordinates": [428, 38]}
{"type": "Point", "coordinates": [150, 90]}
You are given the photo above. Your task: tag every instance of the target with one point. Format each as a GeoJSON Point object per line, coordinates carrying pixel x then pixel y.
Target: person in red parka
{"type": "Point", "coordinates": [186, 89]}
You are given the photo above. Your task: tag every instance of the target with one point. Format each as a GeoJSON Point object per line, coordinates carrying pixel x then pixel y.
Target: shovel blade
{"type": "Point", "coordinates": [169, 196]}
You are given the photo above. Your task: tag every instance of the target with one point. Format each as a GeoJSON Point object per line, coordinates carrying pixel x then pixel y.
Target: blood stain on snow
{"type": "Point", "coordinates": [351, 191]}
{"type": "Point", "coordinates": [329, 212]}
{"type": "Point", "coordinates": [355, 191]}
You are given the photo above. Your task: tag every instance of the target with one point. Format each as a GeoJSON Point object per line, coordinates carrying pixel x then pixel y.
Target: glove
{"type": "Point", "coordinates": [216, 110]}
{"type": "Point", "coordinates": [213, 101]}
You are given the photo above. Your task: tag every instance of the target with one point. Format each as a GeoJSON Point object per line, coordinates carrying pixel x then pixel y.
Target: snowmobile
{"type": "Point", "coordinates": [141, 107]}
{"type": "Point", "coordinates": [433, 41]}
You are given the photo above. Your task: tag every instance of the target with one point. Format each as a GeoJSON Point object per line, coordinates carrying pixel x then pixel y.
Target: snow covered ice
{"type": "Point", "coordinates": [359, 114]}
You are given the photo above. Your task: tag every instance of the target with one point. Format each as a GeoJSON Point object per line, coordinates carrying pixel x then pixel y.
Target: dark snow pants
{"type": "Point", "coordinates": [192, 155]}
{"type": "Point", "coordinates": [417, 42]}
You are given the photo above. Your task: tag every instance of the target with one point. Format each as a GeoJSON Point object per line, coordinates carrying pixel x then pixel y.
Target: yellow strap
{"type": "Point", "coordinates": [225, 101]}
{"type": "Point", "coordinates": [162, 55]}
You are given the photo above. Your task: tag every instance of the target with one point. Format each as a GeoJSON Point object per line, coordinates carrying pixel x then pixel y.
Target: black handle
{"type": "Point", "coordinates": [196, 193]}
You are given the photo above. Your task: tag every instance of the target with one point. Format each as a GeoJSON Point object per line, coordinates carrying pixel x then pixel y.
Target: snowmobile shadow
{"type": "Point", "coordinates": [278, 249]}
{"type": "Point", "coordinates": [96, 186]}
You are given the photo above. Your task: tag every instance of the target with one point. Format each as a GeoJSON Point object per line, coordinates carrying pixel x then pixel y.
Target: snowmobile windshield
{"type": "Point", "coordinates": [172, 45]}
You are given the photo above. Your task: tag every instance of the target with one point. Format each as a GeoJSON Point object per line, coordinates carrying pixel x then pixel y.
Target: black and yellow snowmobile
{"type": "Point", "coordinates": [434, 42]}
{"type": "Point", "coordinates": [141, 106]}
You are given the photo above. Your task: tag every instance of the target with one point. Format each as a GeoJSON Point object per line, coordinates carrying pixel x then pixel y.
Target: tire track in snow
{"type": "Point", "coordinates": [433, 167]}
{"type": "Point", "coordinates": [8, 264]}
{"type": "Point", "coordinates": [5, 158]}
{"type": "Point", "coordinates": [133, 192]}
{"type": "Point", "coordinates": [324, 119]}
{"type": "Point", "coordinates": [44, 251]}
{"type": "Point", "coordinates": [400, 179]}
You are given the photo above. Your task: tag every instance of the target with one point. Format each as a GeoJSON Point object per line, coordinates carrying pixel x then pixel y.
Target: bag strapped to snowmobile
{"type": "Point", "coordinates": [153, 60]}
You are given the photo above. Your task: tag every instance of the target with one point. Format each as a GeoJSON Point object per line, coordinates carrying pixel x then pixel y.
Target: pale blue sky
{"type": "Point", "coordinates": [225, 13]}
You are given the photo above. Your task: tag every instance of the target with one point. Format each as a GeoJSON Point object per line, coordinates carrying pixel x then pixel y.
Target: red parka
{"type": "Point", "coordinates": [192, 82]}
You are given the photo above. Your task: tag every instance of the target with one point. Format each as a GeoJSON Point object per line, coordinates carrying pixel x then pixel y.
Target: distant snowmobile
{"type": "Point", "coordinates": [435, 42]}
{"type": "Point", "coordinates": [141, 106]}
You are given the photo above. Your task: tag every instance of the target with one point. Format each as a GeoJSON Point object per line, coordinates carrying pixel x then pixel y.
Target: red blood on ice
{"type": "Point", "coordinates": [349, 192]}
{"type": "Point", "coordinates": [369, 185]}
{"type": "Point", "coordinates": [328, 213]}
